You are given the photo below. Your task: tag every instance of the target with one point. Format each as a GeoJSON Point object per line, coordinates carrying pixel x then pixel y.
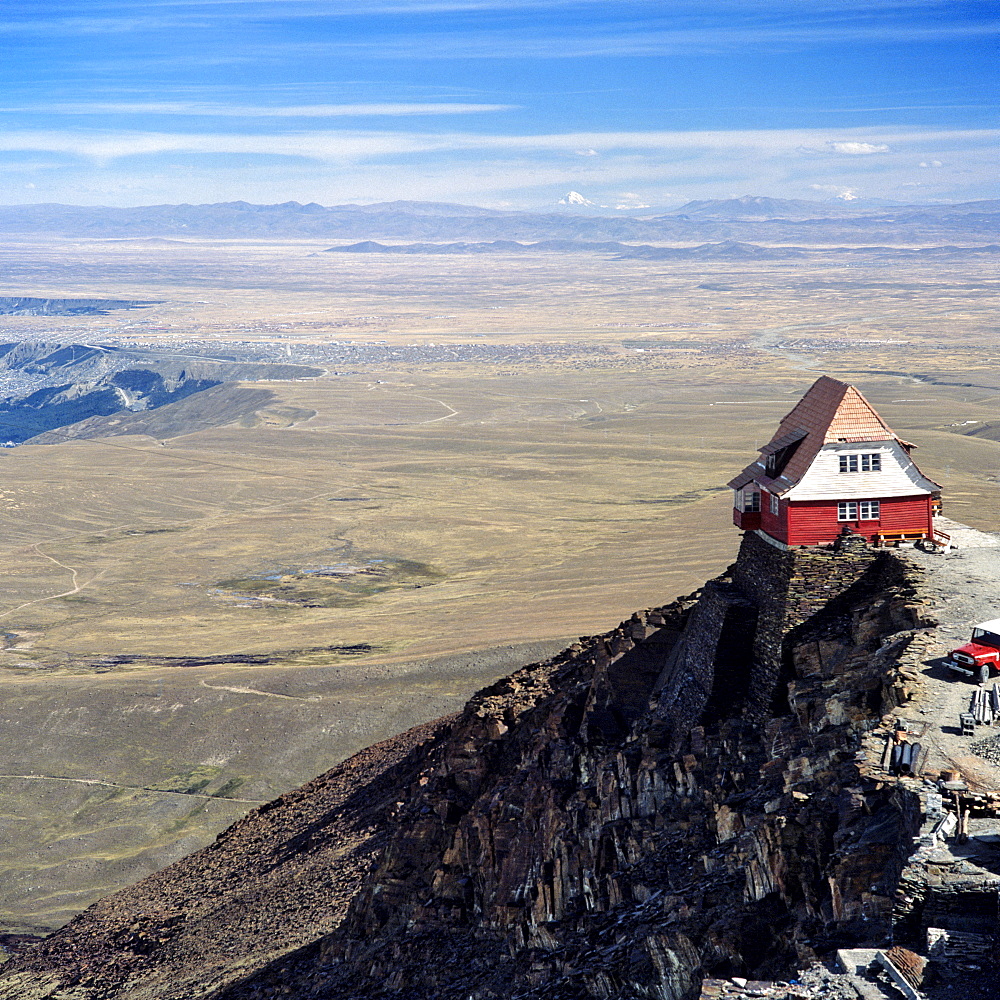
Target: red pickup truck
{"type": "Point", "coordinates": [981, 656]}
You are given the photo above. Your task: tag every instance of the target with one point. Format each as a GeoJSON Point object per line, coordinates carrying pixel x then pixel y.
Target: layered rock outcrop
{"type": "Point", "coordinates": [683, 797]}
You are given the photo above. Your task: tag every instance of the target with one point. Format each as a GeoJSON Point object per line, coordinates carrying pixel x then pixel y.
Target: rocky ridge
{"type": "Point", "coordinates": [21, 305]}
{"type": "Point", "coordinates": [51, 392]}
{"type": "Point", "coordinates": [686, 797]}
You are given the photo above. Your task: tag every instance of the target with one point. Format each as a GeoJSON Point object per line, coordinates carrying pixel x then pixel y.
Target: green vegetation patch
{"type": "Point", "coordinates": [188, 782]}
{"type": "Point", "coordinates": [229, 789]}
{"type": "Point", "coordinates": [982, 429]}
{"type": "Point", "coordinates": [331, 586]}
{"type": "Point", "coordinates": [131, 533]}
{"type": "Point", "coordinates": [277, 416]}
{"type": "Point", "coordinates": [193, 819]}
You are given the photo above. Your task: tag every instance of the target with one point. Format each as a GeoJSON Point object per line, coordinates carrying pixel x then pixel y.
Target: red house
{"type": "Point", "coordinates": [834, 464]}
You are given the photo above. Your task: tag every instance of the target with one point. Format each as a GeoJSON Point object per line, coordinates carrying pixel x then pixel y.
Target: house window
{"type": "Point", "coordinates": [865, 510]}
{"type": "Point", "coordinates": [751, 502]}
{"type": "Point", "coordinates": [868, 510]}
{"type": "Point", "coordinates": [869, 462]}
{"type": "Point", "coordinates": [774, 504]}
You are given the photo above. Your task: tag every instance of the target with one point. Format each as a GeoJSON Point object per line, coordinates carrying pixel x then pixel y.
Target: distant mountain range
{"type": "Point", "coordinates": [751, 207]}
{"type": "Point", "coordinates": [755, 207]}
{"type": "Point", "coordinates": [727, 250]}
{"type": "Point", "coordinates": [748, 219]}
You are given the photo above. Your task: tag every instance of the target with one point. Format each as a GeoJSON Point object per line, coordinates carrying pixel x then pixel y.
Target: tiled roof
{"type": "Point", "coordinates": [776, 444]}
{"type": "Point", "coordinates": [748, 475]}
{"type": "Point", "coordinates": [830, 411]}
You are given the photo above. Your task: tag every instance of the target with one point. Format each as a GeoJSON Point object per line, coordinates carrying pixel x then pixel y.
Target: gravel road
{"type": "Point", "coordinates": [964, 586]}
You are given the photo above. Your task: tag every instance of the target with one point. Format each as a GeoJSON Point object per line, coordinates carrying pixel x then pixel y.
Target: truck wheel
{"type": "Point", "coordinates": [983, 675]}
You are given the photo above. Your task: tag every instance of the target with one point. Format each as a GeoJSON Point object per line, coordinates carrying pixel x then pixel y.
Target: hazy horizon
{"type": "Point", "coordinates": [858, 203]}
{"type": "Point", "coordinates": [506, 105]}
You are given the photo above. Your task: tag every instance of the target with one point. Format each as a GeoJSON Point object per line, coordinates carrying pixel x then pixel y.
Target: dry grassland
{"type": "Point", "coordinates": [292, 291]}
{"type": "Point", "coordinates": [438, 515]}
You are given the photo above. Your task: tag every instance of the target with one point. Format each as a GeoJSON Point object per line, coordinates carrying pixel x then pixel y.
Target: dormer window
{"type": "Point", "coordinates": [869, 462]}
{"type": "Point", "coordinates": [778, 453]}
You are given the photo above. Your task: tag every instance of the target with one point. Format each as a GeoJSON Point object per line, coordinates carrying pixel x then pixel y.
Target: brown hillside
{"type": "Point", "coordinates": [273, 881]}
{"type": "Point", "coordinates": [682, 797]}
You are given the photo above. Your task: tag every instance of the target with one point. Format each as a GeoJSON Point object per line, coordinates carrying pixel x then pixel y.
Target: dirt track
{"type": "Point", "coordinates": [964, 586]}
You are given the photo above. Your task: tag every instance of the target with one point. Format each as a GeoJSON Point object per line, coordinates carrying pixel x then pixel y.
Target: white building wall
{"type": "Point", "coordinates": [823, 480]}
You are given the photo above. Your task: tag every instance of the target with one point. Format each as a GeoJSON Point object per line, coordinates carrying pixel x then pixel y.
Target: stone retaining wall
{"type": "Point", "coordinates": [789, 587]}
{"type": "Point", "coordinates": [946, 893]}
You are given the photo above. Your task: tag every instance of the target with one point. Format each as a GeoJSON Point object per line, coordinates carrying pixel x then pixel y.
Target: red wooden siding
{"type": "Point", "coordinates": [776, 525]}
{"type": "Point", "coordinates": [747, 520]}
{"type": "Point", "coordinates": [906, 514]}
{"type": "Point", "coordinates": [814, 522]}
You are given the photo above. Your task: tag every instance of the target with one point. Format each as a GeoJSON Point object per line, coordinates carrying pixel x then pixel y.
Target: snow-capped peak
{"type": "Point", "coordinates": [575, 198]}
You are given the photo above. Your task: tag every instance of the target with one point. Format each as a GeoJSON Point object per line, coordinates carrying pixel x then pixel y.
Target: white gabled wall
{"type": "Point", "coordinates": [823, 479]}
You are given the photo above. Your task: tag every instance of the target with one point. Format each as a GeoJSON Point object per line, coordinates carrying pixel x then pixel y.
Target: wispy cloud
{"type": "Point", "coordinates": [524, 171]}
{"type": "Point", "coordinates": [858, 148]}
{"type": "Point", "coordinates": [486, 28]}
{"type": "Point", "coordinates": [216, 110]}
{"type": "Point", "coordinates": [366, 145]}
{"type": "Point", "coordinates": [499, 98]}
{"type": "Point", "coordinates": [620, 40]}
{"type": "Point", "coordinates": [70, 10]}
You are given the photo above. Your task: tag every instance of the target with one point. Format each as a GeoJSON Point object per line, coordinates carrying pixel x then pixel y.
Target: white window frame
{"type": "Point", "coordinates": [751, 502]}
{"type": "Point", "coordinates": [859, 510]}
{"type": "Point", "coordinates": [869, 510]}
{"type": "Point", "coordinates": [869, 461]}
{"type": "Point", "coordinates": [847, 510]}
{"type": "Point", "coordinates": [774, 504]}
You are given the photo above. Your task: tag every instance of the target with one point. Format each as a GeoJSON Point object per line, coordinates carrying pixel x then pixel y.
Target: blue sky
{"type": "Point", "coordinates": [506, 104]}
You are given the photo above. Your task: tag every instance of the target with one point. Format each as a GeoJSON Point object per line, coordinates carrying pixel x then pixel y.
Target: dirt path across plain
{"type": "Point", "coordinates": [134, 788]}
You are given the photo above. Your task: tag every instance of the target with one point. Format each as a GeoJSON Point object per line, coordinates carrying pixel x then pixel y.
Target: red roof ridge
{"type": "Point", "coordinates": [855, 419]}
{"type": "Point", "coordinates": [830, 411]}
